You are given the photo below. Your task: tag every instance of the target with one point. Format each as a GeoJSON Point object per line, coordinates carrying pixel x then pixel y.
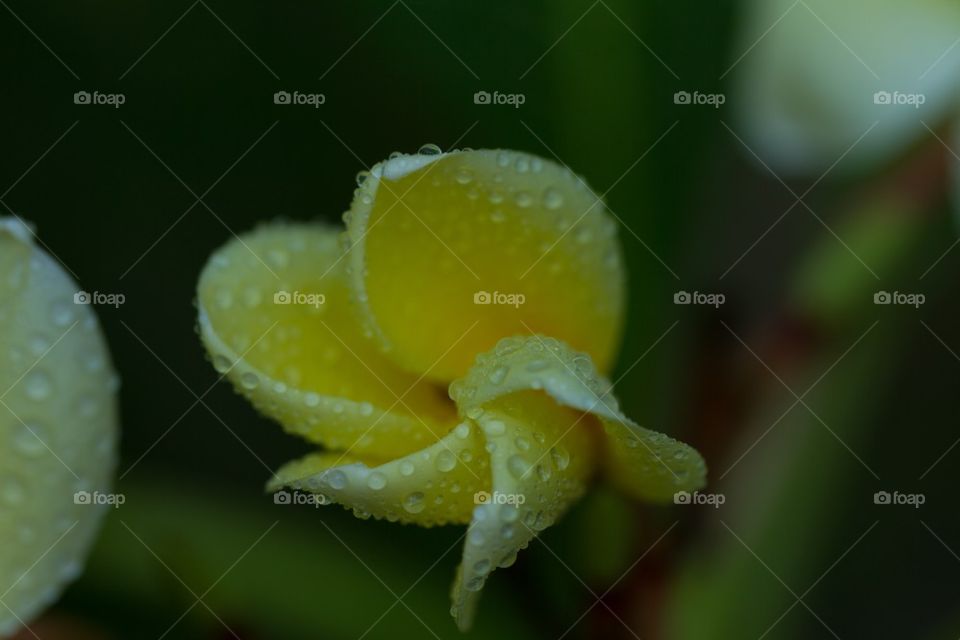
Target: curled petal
{"type": "Point", "coordinates": [508, 242]}
{"type": "Point", "coordinates": [275, 316]}
{"type": "Point", "coordinates": [541, 406]}
{"type": "Point", "coordinates": [429, 487]}
{"type": "Point", "coordinates": [58, 426]}
{"type": "Point", "coordinates": [541, 456]}
{"type": "Point", "coordinates": [647, 464]}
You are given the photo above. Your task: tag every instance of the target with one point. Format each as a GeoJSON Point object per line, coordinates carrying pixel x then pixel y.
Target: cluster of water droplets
{"type": "Point", "coordinates": [58, 427]}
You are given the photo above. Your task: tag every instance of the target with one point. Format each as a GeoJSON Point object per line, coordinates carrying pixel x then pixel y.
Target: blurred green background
{"type": "Point", "coordinates": [799, 549]}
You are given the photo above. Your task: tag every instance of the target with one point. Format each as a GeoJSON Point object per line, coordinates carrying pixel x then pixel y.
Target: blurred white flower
{"type": "Point", "coordinates": [58, 427]}
{"type": "Point", "coordinates": [815, 75]}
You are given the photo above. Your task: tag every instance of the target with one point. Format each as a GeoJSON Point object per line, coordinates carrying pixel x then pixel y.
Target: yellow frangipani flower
{"type": "Point", "coordinates": [444, 351]}
{"type": "Point", "coordinates": [58, 426]}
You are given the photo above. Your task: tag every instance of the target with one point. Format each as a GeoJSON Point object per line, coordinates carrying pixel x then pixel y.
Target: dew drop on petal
{"type": "Point", "coordinates": [429, 149]}
{"type": "Point", "coordinates": [336, 479]}
{"type": "Point", "coordinates": [517, 466]}
{"type": "Point", "coordinates": [413, 503]}
{"type": "Point", "coordinates": [445, 461]}
{"type": "Point", "coordinates": [377, 481]}
{"type": "Point", "coordinates": [552, 199]}
{"type": "Point", "coordinates": [249, 380]}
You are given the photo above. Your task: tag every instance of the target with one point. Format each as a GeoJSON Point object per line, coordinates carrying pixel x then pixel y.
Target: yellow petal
{"type": "Point", "coordinates": [451, 252]}
{"type": "Point", "coordinates": [541, 406]}
{"type": "Point", "coordinates": [58, 427]}
{"type": "Point", "coordinates": [648, 464]}
{"type": "Point", "coordinates": [429, 487]}
{"type": "Point", "coordinates": [275, 315]}
{"type": "Point", "coordinates": [541, 456]}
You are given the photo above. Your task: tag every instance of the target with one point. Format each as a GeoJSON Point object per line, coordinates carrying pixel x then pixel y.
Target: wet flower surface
{"type": "Point", "coordinates": [58, 426]}
{"type": "Point", "coordinates": [447, 351]}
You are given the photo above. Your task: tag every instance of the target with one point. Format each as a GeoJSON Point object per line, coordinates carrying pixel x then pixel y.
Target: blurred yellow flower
{"type": "Point", "coordinates": [58, 426]}
{"type": "Point", "coordinates": [495, 273]}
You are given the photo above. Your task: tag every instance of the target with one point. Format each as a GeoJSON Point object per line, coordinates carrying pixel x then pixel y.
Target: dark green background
{"type": "Point", "coordinates": [101, 198]}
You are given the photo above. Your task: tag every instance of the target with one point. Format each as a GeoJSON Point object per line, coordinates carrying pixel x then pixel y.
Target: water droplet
{"type": "Point", "coordinates": [523, 199]}
{"type": "Point", "coordinates": [429, 149]}
{"type": "Point", "coordinates": [552, 198]}
{"type": "Point", "coordinates": [336, 479]}
{"type": "Point", "coordinates": [474, 584]}
{"type": "Point", "coordinates": [62, 314]}
{"type": "Point", "coordinates": [28, 440]}
{"type": "Point", "coordinates": [482, 566]}
{"type": "Point", "coordinates": [249, 380]}
{"type": "Point", "coordinates": [464, 176]}
{"type": "Point", "coordinates": [12, 491]}
{"type": "Point", "coordinates": [462, 430]}
{"type": "Point", "coordinates": [407, 468]}
{"type": "Point", "coordinates": [366, 408]}
{"type": "Point", "coordinates": [560, 457]}
{"type": "Point", "coordinates": [499, 374]}
{"type": "Point", "coordinates": [517, 466]}
{"type": "Point", "coordinates": [522, 443]}
{"type": "Point", "coordinates": [311, 399]}
{"type": "Point", "coordinates": [476, 537]}
{"type": "Point", "coordinates": [445, 461]}
{"type": "Point", "coordinates": [221, 363]}
{"type": "Point", "coordinates": [377, 481]}
{"type": "Point", "coordinates": [413, 503]}
{"type": "Point", "coordinates": [537, 365]}
{"type": "Point", "coordinates": [494, 427]}
{"type": "Point", "coordinates": [37, 385]}
{"type": "Point", "coordinates": [362, 177]}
